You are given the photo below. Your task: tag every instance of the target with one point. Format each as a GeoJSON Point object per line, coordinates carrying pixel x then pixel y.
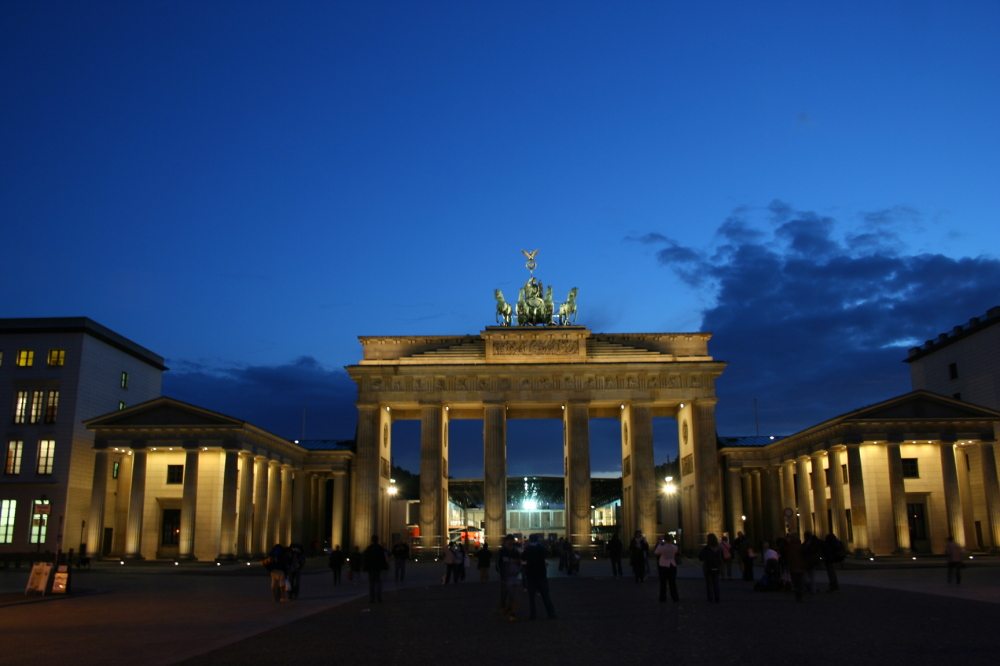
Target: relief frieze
{"type": "Point", "coordinates": [536, 347]}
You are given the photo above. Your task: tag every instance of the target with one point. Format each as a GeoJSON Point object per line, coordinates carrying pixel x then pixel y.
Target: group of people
{"type": "Point", "coordinates": [285, 564]}
{"type": "Point", "coordinates": [523, 568]}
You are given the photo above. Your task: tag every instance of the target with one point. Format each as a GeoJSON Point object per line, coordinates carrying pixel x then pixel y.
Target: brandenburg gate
{"type": "Point", "coordinates": [543, 367]}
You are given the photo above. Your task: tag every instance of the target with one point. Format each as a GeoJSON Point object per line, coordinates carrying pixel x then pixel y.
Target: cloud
{"type": "Point", "coordinates": [271, 397]}
{"type": "Point", "coordinates": [814, 324]}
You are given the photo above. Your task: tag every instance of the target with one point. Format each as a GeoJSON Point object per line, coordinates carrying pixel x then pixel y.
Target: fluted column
{"type": "Point", "coordinates": [227, 526]}
{"type": "Point", "coordinates": [839, 526]}
{"type": "Point", "coordinates": [320, 508]}
{"type": "Point", "coordinates": [340, 486]}
{"type": "Point", "coordinates": [643, 464]}
{"type": "Point", "coordinates": [433, 520]}
{"type": "Point", "coordinates": [897, 490]}
{"type": "Point", "coordinates": [856, 485]}
{"type": "Point", "coordinates": [772, 503]}
{"type": "Point", "coordinates": [577, 425]}
{"type": "Point", "coordinates": [272, 532]}
{"type": "Point", "coordinates": [706, 469]}
{"type": "Point", "coordinates": [244, 525]}
{"type": "Point", "coordinates": [123, 491]}
{"type": "Point", "coordinates": [300, 484]}
{"type": "Point", "coordinates": [819, 494]}
{"type": "Point", "coordinates": [758, 507]}
{"type": "Point", "coordinates": [259, 540]}
{"type": "Point", "coordinates": [751, 520]}
{"type": "Point", "coordinates": [364, 519]}
{"type": "Point", "coordinates": [805, 506]}
{"type": "Point", "coordinates": [98, 495]}
{"type": "Point", "coordinates": [991, 488]}
{"type": "Point", "coordinates": [495, 471]}
{"type": "Point", "coordinates": [952, 495]}
{"type": "Point", "coordinates": [189, 503]}
{"type": "Point", "coordinates": [734, 482]}
{"type": "Point", "coordinates": [788, 495]}
{"type": "Point", "coordinates": [136, 502]}
{"type": "Point", "coordinates": [285, 521]}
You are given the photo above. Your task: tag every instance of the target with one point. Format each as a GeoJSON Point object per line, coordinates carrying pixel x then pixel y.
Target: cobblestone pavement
{"type": "Point", "coordinates": [155, 614]}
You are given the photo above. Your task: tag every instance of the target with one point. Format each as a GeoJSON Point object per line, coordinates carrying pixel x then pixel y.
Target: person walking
{"type": "Point", "coordinates": [276, 564]}
{"type": "Point", "coordinates": [796, 563]}
{"type": "Point", "coordinates": [449, 564]}
{"type": "Point", "coordinates": [296, 563]}
{"type": "Point", "coordinates": [536, 576]}
{"type": "Point", "coordinates": [509, 568]}
{"type": "Point", "coordinates": [834, 553]}
{"type": "Point", "coordinates": [638, 551]}
{"type": "Point", "coordinates": [615, 548]}
{"type": "Point", "coordinates": [400, 553]}
{"type": "Point", "coordinates": [376, 561]}
{"type": "Point", "coordinates": [954, 554]}
{"type": "Point", "coordinates": [712, 566]}
{"type": "Point", "coordinates": [336, 563]}
{"type": "Point", "coordinates": [483, 559]}
{"type": "Point", "coordinates": [666, 566]}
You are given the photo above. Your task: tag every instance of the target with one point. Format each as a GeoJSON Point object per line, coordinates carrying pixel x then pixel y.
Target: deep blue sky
{"type": "Point", "coordinates": [246, 187]}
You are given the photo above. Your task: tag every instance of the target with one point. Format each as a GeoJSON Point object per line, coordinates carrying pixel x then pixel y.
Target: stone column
{"type": "Point", "coordinates": [300, 483]}
{"type": "Point", "coordinates": [272, 531]}
{"type": "Point", "coordinates": [734, 481]}
{"type": "Point", "coordinates": [244, 525]}
{"type": "Point", "coordinates": [495, 471]}
{"type": "Point", "coordinates": [285, 506]}
{"type": "Point", "coordinates": [819, 494]}
{"type": "Point", "coordinates": [98, 495]}
{"type": "Point", "coordinates": [897, 489]}
{"type": "Point", "coordinates": [122, 495]}
{"type": "Point", "coordinates": [859, 512]}
{"type": "Point", "coordinates": [320, 508]}
{"type": "Point", "coordinates": [340, 486]}
{"type": "Point", "coordinates": [260, 545]}
{"type": "Point", "coordinates": [364, 520]}
{"type": "Point", "coordinates": [136, 502]}
{"type": "Point", "coordinates": [839, 526]}
{"type": "Point", "coordinates": [788, 494]}
{"type": "Point", "coordinates": [706, 469]}
{"type": "Point", "coordinates": [643, 464]}
{"type": "Point", "coordinates": [952, 495]}
{"type": "Point", "coordinates": [433, 520]}
{"type": "Point", "coordinates": [758, 507]}
{"type": "Point", "coordinates": [577, 424]}
{"type": "Point", "coordinates": [748, 524]}
{"type": "Point", "coordinates": [227, 527]}
{"type": "Point", "coordinates": [991, 488]}
{"type": "Point", "coordinates": [189, 503]}
{"type": "Point", "coordinates": [772, 503]}
{"type": "Point", "coordinates": [805, 506]}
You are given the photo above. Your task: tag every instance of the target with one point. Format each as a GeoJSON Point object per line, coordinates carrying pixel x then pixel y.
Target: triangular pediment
{"type": "Point", "coordinates": [163, 412]}
{"type": "Point", "coordinates": [921, 405]}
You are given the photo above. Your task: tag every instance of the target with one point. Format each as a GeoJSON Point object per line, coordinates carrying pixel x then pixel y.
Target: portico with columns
{"type": "Point", "coordinates": [176, 481]}
{"type": "Point", "coordinates": [564, 372]}
{"type": "Point", "coordinates": [896, 477]}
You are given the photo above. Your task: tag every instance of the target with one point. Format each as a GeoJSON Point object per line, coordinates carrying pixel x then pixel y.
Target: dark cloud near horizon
{"type": "Point", "coordinates": [815, 325]}
{"type": "Point", "coordinates": [272, 397]}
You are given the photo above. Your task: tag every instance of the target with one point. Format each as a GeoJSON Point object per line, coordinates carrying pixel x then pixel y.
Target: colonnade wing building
{"type": "Point", "coordinates": [564, 373]}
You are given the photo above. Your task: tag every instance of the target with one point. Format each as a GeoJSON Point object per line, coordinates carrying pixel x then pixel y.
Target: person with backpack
{"type": "Point", "coordinates": [834, 553]}
{"type": "Point", "coordinates": [711, 558]}
{"type": "Point", "coordinates": [276, 563]}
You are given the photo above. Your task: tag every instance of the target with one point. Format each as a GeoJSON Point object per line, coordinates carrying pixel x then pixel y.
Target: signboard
{"type": "Point", "coordinates": [38, 581]}
{"type": "Point", "coordinates": [788, 512]}
{"type": "Point", "coordinates": [60, 580]}
{"type": "Point", "coordinates": [43, 508]}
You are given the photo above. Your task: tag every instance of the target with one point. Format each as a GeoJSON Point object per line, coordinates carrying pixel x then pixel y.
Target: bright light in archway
{"type": "Point", "coordinates": [530, 505]}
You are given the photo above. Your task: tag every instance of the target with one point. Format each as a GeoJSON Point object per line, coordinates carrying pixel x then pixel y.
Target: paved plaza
{"type": "Point", "coordinates": [201, 614]}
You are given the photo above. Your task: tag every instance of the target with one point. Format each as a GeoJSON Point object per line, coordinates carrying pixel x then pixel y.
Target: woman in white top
{"type": "Point", "coordinates": [666, 566]}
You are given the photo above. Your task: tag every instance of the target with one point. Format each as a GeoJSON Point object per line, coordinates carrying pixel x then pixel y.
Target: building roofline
{"type": "Point", "coordinates": [974, 325]}
{"type": "Point", "coordinates": [81, 325]}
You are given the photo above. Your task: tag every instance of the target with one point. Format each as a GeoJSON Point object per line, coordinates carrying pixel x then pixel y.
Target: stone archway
{"type": "Point", "coordinates": [566, 372]}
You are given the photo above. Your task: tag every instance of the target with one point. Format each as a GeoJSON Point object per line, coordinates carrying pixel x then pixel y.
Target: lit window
{"type": "Point", "coordinates": [13, 465]}
{"type": "Point", "coordinates": [21, 408]}
{"type": "Point", "coordinates": [124, 380]}
{"type": "Point", "coordinates": [911, 469]}
{"type": "Point", "coordinates": [37, 404]}
{"type": "Point", "coordinates": [39, 523]}
{"type": "Point", "coordinates": [8, 509]}
{"type": "Point", "coordinates": [175, 473]}
{"type": "Point", "coordinates": [114, 469]}
{"type": "Point", "coordinates": [57, 357]}
{"type": "Point", "coordinates": [121, 405]}
{"type": "Point", "coordinates": [46, 454]}
{"type": "Point", "coordinates": [25, 358]}
{"type": "Point", "coordinates": [52, 407]}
